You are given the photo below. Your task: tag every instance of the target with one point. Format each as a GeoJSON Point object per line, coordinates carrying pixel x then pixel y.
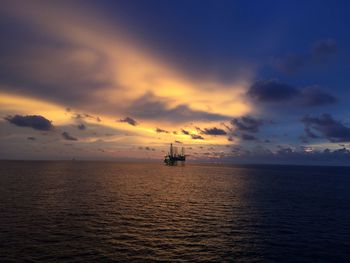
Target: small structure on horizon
{"type": "Point", "coordinates": [173, 156]}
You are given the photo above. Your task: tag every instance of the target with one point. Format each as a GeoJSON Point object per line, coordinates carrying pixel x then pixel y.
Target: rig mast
{"type": "Point", "coordinates": [173, 156]}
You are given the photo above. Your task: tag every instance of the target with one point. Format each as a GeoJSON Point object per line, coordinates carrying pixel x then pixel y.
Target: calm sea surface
{"type": "Point", "coordinates": [141, 212]}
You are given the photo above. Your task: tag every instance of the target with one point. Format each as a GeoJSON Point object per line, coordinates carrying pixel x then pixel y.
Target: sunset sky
{"type": "Point", "coordinates": [232, 81]}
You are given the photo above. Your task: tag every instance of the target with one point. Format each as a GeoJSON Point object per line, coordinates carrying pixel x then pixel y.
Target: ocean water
{"type": "Point", "coordinates": [144, 212]}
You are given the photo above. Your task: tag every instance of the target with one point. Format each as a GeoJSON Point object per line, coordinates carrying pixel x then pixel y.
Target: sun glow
{"type": "Point", "coordinates": [102, 72]}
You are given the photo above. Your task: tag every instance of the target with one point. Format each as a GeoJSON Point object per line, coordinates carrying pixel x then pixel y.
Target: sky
{"type": "Point", "coordinates": [231, 81]}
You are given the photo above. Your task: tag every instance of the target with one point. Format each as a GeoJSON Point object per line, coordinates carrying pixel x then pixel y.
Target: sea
{"type": "Point", "coordinates": [82, 211]}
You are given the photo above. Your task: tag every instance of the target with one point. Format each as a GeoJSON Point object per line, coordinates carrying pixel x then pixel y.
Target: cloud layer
{"type": "Point", "coordinates": [152, 107]}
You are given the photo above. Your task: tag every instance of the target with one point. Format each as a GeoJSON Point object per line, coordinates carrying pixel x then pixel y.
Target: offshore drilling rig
{"type": "Point", "coordinates": [173, 156]}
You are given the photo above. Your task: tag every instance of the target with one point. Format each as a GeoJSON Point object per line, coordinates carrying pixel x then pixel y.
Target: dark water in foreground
{"type": "Point", "coordinates": [107, 212]}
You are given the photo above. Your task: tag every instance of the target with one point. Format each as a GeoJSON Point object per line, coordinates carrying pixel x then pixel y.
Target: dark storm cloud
{"type": "Point", "coordinates": [247, 124]}
{"type": "Point", "coordinates": [196, 137]}
{"type": "Point", "coordinates": [325, 126]}
{"type": "Point", "coordinates": [273, 91]}
{"type": "Point", "coordinates": [82, 127]}
{"type": "Point", "coordinates": [159, 130]}
{"type": "Point", "coordinates": [68, 137]}
{"type": "Point", "coordinates": [36, 122]}
{"type": "Point", "coordinates": [214, 131]}
{"type": "Point", "coordinates": [149, 106]}
{"type": "Point", "coordinates": [129, 120]}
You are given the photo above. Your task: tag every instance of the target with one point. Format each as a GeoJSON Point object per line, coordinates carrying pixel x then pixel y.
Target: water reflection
{"type": "Point", "coordinates": [135, 211]}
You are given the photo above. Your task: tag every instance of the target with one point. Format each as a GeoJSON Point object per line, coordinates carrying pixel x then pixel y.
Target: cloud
{"type": "Point", "coordinates": [100, 70]}
{"type": "Point", "coordinates": [81, 127]}
{"type": "Point", "coordinates": [314, 96]}
{"type": "Point", "coordinates": [129, 120]}
{"type": "Point", "coordinates": [324, 48]}
{"type": "Point", "coordinates": [152, 107]}
{"type": "Point", "coordinates": [291, 64]}
{"type": "Point", "coordinates": [68, 137]}
{"type": "Point", "coordinates": [36, 122]}
{"type": "Point", "coordinates": [284, 150]}
{"type": "Point", "coordinates": [147, 148]}
{"type": "Point", "coordinates": [310, 133]}
{"type": "Point", "coordinates": [159, 130]}
{"type": "Point", "coordinates": [247, 124]}
{"type": "Point", "coordinates": [325, 126]}
{"type": "Point", "coordinates": [193, 136]}
{"type": "Point", "coordinates": [273, 91]}
{"type": "Point", "coordinates": [214, 131]}
{"type": "Point", "coordinates": [196, 137]}
{"type": "Point", "coordinates": [248, 137]}
{"type": "Point", "coordinates": [321, 51]}
{"type": "Point", "coordinates": [81, 116]}
{"type": "Point", "coordinates": [77, 72]}
{"type": "Point", "coordinates": [286, 155]}
{"type": "Point", "coordinates": [185, 132]}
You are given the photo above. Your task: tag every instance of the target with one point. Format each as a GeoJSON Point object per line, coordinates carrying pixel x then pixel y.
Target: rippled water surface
{"type": "Point", "coordinates": [108, 212]}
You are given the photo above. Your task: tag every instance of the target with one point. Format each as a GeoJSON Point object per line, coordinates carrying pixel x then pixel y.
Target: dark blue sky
{"type": "Point", "coordinates": [203, 35]}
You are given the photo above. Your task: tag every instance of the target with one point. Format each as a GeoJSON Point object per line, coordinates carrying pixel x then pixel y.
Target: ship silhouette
{"type": "Point", "coordinates": [173, 156]}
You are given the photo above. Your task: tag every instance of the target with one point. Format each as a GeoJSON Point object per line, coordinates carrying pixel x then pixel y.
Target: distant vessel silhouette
{"type": "Point", "coordinates": [173, 156]}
